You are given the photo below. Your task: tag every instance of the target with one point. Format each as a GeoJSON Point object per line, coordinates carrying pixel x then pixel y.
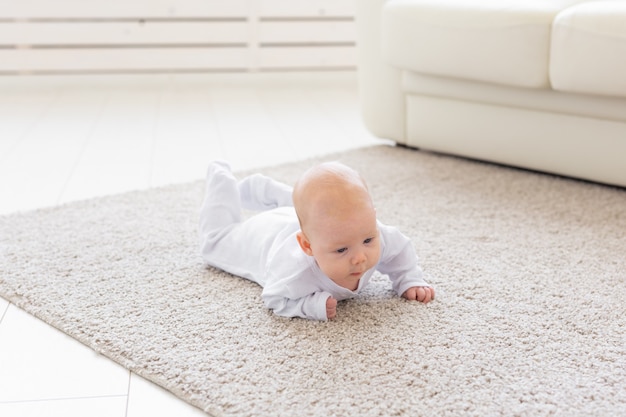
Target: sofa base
{"type": "Point", "coordinates": [582, 147]}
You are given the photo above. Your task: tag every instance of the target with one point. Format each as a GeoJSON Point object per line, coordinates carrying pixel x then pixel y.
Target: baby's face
{"type": "Point", "coordinates": [346, 246]}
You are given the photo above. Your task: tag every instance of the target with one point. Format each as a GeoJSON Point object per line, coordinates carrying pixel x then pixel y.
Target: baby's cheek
{"type": "Point", "coordinates": [334, 270]}
{"type": "Point", "coordinates": [375, 256]}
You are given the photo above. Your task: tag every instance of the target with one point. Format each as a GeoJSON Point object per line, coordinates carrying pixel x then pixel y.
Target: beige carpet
{"type": "Point", "coordinates": [530, 317]}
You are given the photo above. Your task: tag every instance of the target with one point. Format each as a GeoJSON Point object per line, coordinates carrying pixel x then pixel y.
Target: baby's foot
{"type": "Point", "coordinates": [221, 205]}
{"type": "Point", "coordinates": [260, 193]}
{"type": "Point", "coordinates": [218, 167]}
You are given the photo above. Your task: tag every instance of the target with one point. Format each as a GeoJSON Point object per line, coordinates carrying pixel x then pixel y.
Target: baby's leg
{"type": "Point", "coordinates": [226, 241]}
{"type": "Point", "coordinates": [260, 193]}
{"type": "Point", "coordinates": [221, 206]}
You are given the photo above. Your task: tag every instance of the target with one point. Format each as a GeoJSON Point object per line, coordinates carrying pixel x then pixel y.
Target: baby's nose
{"type": "Point", "coordinates": [359, 258]}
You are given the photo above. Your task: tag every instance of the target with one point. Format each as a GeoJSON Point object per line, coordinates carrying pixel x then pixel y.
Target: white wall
{"type": "Point", "coordinates": [69, 36]}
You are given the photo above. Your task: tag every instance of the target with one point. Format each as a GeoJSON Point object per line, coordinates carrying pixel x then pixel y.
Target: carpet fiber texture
{"type": "Point", "coordinates": [530, 315]}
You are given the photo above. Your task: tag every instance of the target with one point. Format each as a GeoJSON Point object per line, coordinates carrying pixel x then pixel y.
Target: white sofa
{"type": "Point", "coordinates": [538, 84]}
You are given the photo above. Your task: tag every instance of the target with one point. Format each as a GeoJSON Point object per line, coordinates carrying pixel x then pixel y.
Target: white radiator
{"type": "Point", "coordinates": [83, 36]}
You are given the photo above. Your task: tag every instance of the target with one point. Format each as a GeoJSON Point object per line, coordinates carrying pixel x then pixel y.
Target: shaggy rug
{"type": "Point", "coordinates": [529, 320]}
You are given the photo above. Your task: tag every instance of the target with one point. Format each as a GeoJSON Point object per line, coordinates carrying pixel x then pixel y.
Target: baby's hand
{"type": "Point", "coordinates": [331, 308]}
{"type": "Point", "coordinates": [423, 294]}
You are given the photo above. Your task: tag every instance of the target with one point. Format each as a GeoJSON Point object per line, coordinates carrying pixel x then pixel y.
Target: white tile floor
{"type": "Point", "coordinates": [69, 138]}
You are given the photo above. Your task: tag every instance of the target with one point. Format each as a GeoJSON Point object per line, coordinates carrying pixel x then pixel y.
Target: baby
{"type": "Point", "coordinates": [309, 246]}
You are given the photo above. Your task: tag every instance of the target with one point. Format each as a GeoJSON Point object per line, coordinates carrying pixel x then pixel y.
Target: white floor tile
{"type": "Point", "coordinates": [118, 150]}
{"type": "Point", "coordinates": [39, 164]}
{"type": "Point", "coordinates": [148, 399]}
{"type": "Point", "coordinates": [186, 136]}
{"type": "Point", "coordinates": [341, 107]}
{"type": "Point", "coordinates": [4, 305]}
{"type": "Point", "coordinates": [20, 113]}
{"type": "Point", "coordinates": [248, 134]}
{"type": "Point", "coordinates": [79, 407]}
{"type": "Point", "coordinates": [306, 129]}
{"type": "Point", "coordinates": [39, 362]}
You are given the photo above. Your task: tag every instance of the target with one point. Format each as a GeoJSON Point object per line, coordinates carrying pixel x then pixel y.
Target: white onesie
{"type": "Point", "coordinates": [264, 248]}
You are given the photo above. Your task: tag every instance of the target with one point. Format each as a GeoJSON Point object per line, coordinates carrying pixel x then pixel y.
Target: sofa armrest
{"type": "Point", "coordinates": [380, 94]}
{"type": "Point", "coordinates": [588, 53]}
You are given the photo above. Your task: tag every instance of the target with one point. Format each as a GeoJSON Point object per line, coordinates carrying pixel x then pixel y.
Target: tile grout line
{"type": "Point", "coordinates": [5, 310]}
{"type": "Point", "coordinates": [26, 132]}
{"type": "Point", "coordinates": [88, 138]}
{"type": "Point", "coordinates": [271, 113]}
{"type": "Point", "coordinates": [210, 100]}
{"type": "Point", "coordinates": [43, 400]}
{"type": "Point", "coordinates": [164, 90]}
{"type": "Point", "coordinates": [130, 379]}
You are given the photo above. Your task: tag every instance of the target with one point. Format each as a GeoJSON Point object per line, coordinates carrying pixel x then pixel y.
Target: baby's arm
{"type": "Point", "coordinates": [316, 306]}
{"type": "Point", "coordinates": [423, 294]}
{"type": "Point", "coordinates": [400, 262]}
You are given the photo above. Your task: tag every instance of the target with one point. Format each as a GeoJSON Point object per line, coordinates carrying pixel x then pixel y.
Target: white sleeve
{"type": "Point", "coordinates": [312, 306]}
{"type": "Point", "coordinates": [292, 286]}
{"type": "Point", "coordinates": [399, 261]}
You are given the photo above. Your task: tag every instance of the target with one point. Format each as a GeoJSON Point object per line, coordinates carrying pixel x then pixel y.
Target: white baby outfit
{"type": "Point", "coordinates": [264, 248]}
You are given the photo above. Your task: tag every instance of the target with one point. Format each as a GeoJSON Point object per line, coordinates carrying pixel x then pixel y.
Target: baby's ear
{"type": "Point", "coordinates": [304, 243]}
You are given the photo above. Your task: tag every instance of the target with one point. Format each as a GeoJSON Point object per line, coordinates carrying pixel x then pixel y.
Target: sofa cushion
{"type": "Point", "coordinates": [588, 53]}
{"type": "Point", "coordinates": [547, 100]}
{"type": "Point", "coordinates": [497, 41]}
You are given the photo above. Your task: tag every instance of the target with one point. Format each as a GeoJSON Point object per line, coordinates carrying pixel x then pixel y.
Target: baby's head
{"type": "Point", "coordinates": [338, 222]}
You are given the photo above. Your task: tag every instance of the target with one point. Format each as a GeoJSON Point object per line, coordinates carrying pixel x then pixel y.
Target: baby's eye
{"type": "Point", "coordinates": [368, 240]}
{"type": "Point", "coordinates": [342, 250]}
